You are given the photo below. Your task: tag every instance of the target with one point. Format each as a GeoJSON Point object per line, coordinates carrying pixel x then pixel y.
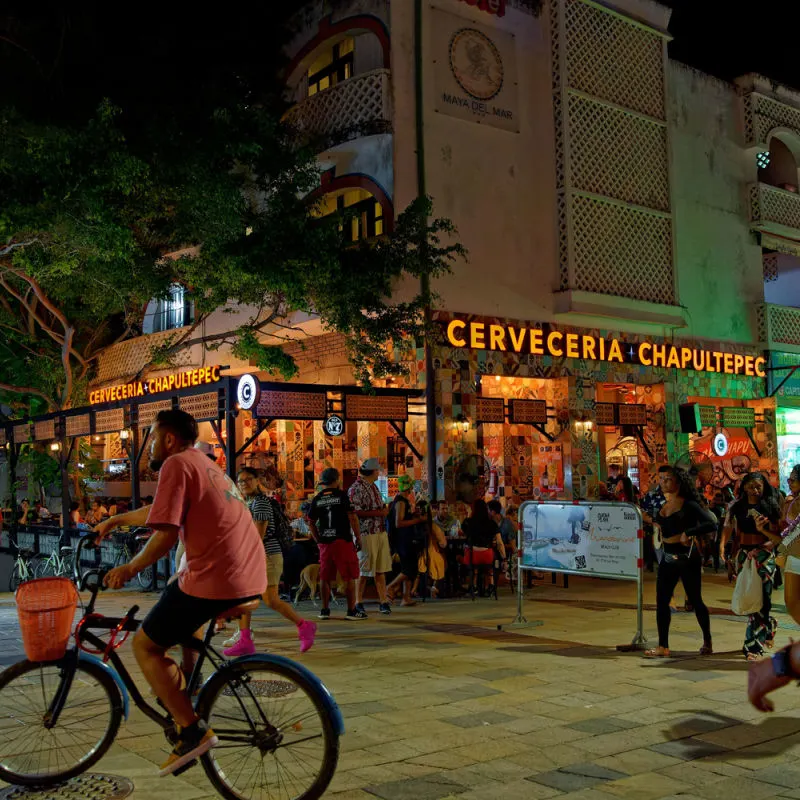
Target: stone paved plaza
{"type": "Point", "coordinates": [440, 704]}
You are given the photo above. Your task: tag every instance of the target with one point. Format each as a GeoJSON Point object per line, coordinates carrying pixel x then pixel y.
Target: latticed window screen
{"type": "Point", "coordinates": [601, 61]}
{"type": "Point", "coordinates": [770, 262]}
{"type": "Point", "coordinates": [763, 114]}
{"type": "Point", "coordinates": [613, 59]}
{"type": "Point", "coordinates": [779, 325]}
{"type": "Point", "coordinates": [621, 251]}
{"type": "Point", "coordinates": [618, 155]}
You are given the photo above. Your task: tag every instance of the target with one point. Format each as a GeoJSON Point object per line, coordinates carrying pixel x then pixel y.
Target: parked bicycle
{"type": "Point", "coordinates": [59, 563]}
{"type": "Point", "coordinates": [278, 726]}
{"type": "Point", "coordinates": [24, 568]}
{"type": "Point", "coordinates": [124, 546]}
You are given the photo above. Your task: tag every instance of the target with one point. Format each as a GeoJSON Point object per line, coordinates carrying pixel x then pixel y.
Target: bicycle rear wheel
{"type": "Point", "coordinates": [277, 741]}
{"type": "Point", "coordinates": [45, 569]}
{"type": "Point", "coordinates": [32, 754]}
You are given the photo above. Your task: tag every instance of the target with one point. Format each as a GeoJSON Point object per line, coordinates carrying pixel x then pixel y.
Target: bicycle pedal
{"type": "Point", "coordinates": [183, 769]}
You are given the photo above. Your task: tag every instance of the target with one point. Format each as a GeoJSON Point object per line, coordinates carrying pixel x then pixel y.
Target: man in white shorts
{"type": "Point", "coordinates": [375, 558]}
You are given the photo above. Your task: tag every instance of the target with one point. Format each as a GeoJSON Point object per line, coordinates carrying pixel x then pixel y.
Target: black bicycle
{"type": "Point", "coordinates": [278, 726]}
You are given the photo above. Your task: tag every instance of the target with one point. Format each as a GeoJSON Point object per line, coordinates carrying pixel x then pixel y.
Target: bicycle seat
{"type": "Point", "coordinates": [242, 608]}
{"type": "Point", "coordinates": [67, 550]}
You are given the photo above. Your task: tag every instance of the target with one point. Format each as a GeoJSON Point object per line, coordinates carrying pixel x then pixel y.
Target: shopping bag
{"type": "Point", "coordinates": [747, 594]}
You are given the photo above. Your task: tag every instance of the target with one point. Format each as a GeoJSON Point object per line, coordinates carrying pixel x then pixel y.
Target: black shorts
{"type": "Point", "coordinates": [176, 616]}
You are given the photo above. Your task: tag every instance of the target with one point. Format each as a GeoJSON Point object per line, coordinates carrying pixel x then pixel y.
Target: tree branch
{"type": "Point", "coordinates": [65, 355]}
{"type": "Point", "coordinates": [5, 387]}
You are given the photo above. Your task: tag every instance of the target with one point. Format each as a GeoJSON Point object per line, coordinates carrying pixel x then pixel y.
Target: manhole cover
{"type": "Point", "coordinates": [263, 689]}
{"type": "Point", "coordinates": [84, 787]}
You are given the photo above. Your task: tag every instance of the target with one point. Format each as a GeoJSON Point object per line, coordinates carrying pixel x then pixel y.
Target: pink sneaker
{"type": "Point", "coordinates": [306, 631]}
{"type": "Point", "coordinates": [243, 647]}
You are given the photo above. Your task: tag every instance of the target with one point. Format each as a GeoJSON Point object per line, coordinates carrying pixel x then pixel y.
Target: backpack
{"type": "Point", "coordinates": [282, 530]}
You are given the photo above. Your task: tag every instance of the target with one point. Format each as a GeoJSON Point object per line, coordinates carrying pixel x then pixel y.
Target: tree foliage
{"type": "Point", "coordinates": [122, 146]}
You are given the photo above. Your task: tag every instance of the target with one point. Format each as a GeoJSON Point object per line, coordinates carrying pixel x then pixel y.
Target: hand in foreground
{"type": "Point", "coordinates": [119, 576]}
{"type": "Point", "coordinates": [102, 529]}
{"type": "Point", "coordinates": [761, 680]}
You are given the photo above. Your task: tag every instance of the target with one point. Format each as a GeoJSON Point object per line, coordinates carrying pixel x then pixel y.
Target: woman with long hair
{"type": "Point", "coordinates": [791, 571]}
{"type": "Point", "coordinates": [625, 491]}
{"type": "Point", "coordinates": [682, 518]}
{"type": "Point", "coordinates": [483, 538]}
{"type": "Point", "coordinates": [755, 516]}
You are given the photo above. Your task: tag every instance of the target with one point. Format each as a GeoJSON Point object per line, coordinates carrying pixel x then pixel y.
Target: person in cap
{"type": "Point", "coordinates": [375, 557]}
{"type": "Point", "coordinates": [407, 541]}
{"type": "Point", "coordinates": [333, 525]}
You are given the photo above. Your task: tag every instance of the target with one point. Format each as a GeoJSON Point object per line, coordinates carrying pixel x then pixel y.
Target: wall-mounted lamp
{"type": "Point", "coordinates": [462, 423]}
{"type": "Point", "coordinates": [124, 434]}
{"type": "Point", "coordinates": [55, 446]}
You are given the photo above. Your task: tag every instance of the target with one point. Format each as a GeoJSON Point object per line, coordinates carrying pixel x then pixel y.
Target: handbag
{"type": "Point", "coordinates": [748, 592]}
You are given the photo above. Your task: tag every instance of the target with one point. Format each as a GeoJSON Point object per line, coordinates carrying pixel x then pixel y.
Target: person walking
{"type": "Point", "coordinates": [755, 516]}
{"type": "Point", "coordinates": [225, 566]}
{"type": "Point", "coordinates": [333, 525]}
{"type": "Point", "coordinates": [483, 539]}
{"type": "Point", "coordinates": [375, 557]}
{"type": "Point", "coordinates": [791, 570]}
{"type": "Point", "coordinates": [407, 540]}
{"type": "Point", "coordinates": [263, 513]}
{"type": "Point", "coordinates": [682, 518]}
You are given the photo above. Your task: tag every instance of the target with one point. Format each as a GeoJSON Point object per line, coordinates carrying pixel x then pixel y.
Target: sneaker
{"type": "Point", "coordinates": [306, 631]}
{"type": "Point", "coordinates": [232, 641]}
{"type": "Point", "coordinates": [324, 613]}
{"type": "Point", "coordinates": [385, 608]}
{"type": "Point", "coordinates": [244, 647]}
{"type": "Point", "coordinates": [360, 607]}
{"type": "Point", "coordinates": [192, 743]}
{"type": "Point", "coordinates": [355, 613]}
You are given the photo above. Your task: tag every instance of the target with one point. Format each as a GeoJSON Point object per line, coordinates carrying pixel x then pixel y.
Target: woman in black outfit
{"type": "Point", "coordinates": [483, 539]}
{"type": "Point", "coordinates": [682, 519]}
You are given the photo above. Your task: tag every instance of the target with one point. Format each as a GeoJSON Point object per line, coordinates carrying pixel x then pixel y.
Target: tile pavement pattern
{"type": "Point", "coordinates": [440, 704]}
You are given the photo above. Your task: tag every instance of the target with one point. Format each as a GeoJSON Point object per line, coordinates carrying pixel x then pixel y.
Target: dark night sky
{"type": "Point", "coordinates": [728, 39]}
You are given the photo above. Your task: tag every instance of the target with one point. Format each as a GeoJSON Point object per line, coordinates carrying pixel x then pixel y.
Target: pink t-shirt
{"type": "Point", "coordinates": [224, 554]}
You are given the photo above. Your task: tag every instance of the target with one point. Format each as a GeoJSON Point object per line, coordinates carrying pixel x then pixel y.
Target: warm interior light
{"type": "Point", "coordinates": [97, 438]}
{"type": "Point", "coordinates": [55, 447]}
{"type": "Point", "coordinates": [124, 434]}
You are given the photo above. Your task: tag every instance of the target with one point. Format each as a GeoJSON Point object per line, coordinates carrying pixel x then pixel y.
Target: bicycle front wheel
{"type": "Point", "coordinates": [34, 754]}
{"type": "Point", "coordinates": [277, 741]}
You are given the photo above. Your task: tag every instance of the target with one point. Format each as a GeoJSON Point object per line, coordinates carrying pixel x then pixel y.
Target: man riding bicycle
{"type": "Point", "coordinates": [225, 565]}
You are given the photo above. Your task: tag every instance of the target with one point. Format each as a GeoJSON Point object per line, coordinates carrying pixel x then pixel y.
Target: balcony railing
{"type": "Point", "coordinates": [775, 210]}
{"type": "Point", "coordinates": [779, 327]}
{"type": "Point", "coordinates": [360, 106]}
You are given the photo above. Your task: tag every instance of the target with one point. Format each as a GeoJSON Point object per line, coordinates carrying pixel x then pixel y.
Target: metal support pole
{"type": "Point", "coordinates": [231, 413]}
{"type": "Point", "coordinates": [133, 460]}
{"type": "Point", "coordinates": [520, 619]}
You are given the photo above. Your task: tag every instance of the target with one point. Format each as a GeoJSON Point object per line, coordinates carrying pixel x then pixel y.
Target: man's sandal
{"type": "Point", "coordinates": [657, 652]}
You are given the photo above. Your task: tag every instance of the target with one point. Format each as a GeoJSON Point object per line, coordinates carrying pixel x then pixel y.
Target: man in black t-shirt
{"type": "Point", "coordinates": [333, 524]}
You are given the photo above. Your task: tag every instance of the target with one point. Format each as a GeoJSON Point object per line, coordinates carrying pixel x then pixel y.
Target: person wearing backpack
{"type": "Point", "coordinates": [408, 538]}
{"type": "Point", "coordinates": [275, 533]}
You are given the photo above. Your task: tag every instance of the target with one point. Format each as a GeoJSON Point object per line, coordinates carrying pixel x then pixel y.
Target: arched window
{"type": "Point", "coordinates": [781, 171]}
{"type": "Point", "coordinates": [176, 311]}
{"type": "Point", "coordinates": [365, 215]}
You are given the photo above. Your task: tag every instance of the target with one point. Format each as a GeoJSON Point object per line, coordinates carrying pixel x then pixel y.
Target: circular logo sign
{"type": "Point", "coordinates": [334, 425]}
{"type": "Point", "coordinates": [720, 445]}
{"type": "Point", "coordinates": [476, 64]}
{"type": "Point", "coordinates": [248, 392]}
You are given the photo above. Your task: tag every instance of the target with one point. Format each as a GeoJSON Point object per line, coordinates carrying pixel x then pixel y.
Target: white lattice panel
{"type": "Point", "coordinates": [149, 411]}
{"type": "Point", "coordinates": [201, 406]}
{"type": "Point", "coordinates": [763, 114]}
{"type": "Point", "coordinates": [779, 325]}
{"type": "Point", "coordinates": [109, 421]}
{"type": "Point", "coordinates": [768, 204]}
{"type": "Point", "coordinates": [621, 251]}
{"type": "Point", "coordinates": [129, 358]}
{"type": "Point", "coordinates": [613, 59]}
{"type": "Point", "coordinates": [618, 155]}
{"type": "Point", "coordinates": [359, 101]}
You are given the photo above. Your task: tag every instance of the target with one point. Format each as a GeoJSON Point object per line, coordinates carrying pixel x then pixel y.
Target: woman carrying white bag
{"type": "Point", "coordinates": [755, 515]}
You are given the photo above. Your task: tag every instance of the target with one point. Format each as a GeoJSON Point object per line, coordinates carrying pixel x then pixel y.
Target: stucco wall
{"type": "Point", "coordinates": [718, 262]}
{"type": "Point", "coordinates": [497, 187]}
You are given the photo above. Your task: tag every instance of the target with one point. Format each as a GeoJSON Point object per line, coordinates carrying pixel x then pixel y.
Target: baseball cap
{"type": "Point", "coordinates": [329, 476]}
{"type": "Point", "coordinates": [404, 483]}
{"type": "Point", "coordinates": [371, 465]}
{"type": "Point", "coordinates": [206, 448]}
